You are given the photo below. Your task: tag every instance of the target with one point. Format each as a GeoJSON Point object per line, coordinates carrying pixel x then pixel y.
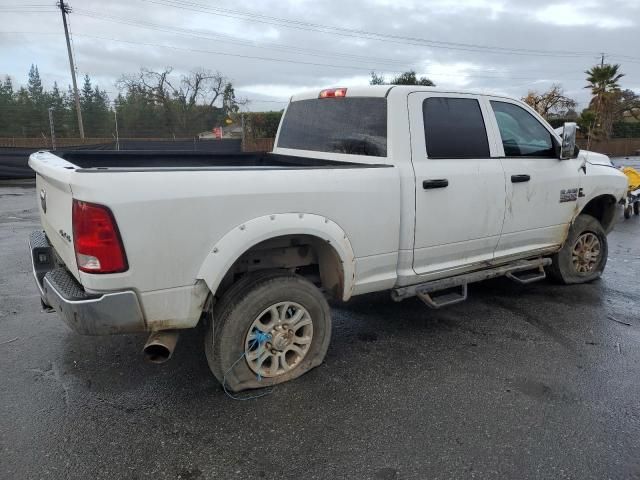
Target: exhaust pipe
{"type": "Point", "coordinates": [160, 345]}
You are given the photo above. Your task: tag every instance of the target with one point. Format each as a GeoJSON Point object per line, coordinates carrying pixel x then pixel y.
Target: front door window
{"type": "Point", "coordinates": [522, 134]}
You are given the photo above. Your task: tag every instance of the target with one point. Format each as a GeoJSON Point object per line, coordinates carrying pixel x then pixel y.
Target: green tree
{"type": "Point", "coordinates": [405, 78]}
{"type": "Point", "coordinates": [603, 82]}
{"type": "Point", "coordinates": [150, 104]}
{"type": "Point", "coordinates": [35, 115]}
{"type": "Point", "coordinates": [229, 103]}
{"type": "Point", "coordinates": [34, 85]}
{"type": "Point", "coordinates": [71, 114]}
{"type": "Point", "coordinates": [586, 120]}
{"type": "Point", "coordinates": [94, 104]}
{"type": "Point", "coordinates": [86, 95]}
{"type": "Point", "coordinates": [6, 89]}
{"type": "Point", "coordinates": [7, 107]}
{"type": "Point", "coordinates": [23, 117]}
{"type": "Point", "coordinates": [603, 79]}
{"type": "Point", "coordinates": [262, 124]}
{"type": "Point", "coordinates": [376, 79]}
{"type": "Point", "coordinates": [628, 105]}
{"type": "Point", "coordinates": [139, 115]}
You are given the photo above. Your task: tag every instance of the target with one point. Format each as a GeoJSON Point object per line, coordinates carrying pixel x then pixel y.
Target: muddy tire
{"type": "Point", "coordinates": [269, 327]}
{"type": "Point", "coordinates": [584, 254]}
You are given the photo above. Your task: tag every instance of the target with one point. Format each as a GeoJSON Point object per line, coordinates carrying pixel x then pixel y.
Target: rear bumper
{"type": "Point", "coordinates": [85, 313]}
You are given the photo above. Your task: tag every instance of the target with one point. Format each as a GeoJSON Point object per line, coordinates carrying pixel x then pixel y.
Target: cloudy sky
{"type": "Point", "coordinates": [271, 49]}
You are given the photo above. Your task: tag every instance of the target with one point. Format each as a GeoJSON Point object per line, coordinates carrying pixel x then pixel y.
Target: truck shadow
{"type": "Point", "coordinates": [368, 332]}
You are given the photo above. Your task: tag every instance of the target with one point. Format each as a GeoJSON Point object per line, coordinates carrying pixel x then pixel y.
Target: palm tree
{"type": "Point", "coordinates": [603, 82]}
{"type": "Point", "coordinates": [603, 79]}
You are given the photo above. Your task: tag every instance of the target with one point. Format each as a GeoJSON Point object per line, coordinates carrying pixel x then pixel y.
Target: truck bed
{"type": "Point", "coordinates": [172, 208]}
{"type": "Point", "coordinates": [98, 160]}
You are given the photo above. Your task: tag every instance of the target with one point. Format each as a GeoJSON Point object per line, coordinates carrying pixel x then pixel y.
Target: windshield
{"type": "Point", "coordinates": [355, 126]}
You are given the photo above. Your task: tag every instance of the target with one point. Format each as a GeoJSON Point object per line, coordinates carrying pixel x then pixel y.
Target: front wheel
{"type": "Point", "coordinates": [268, 328]}
{"type": "Point", "coordinates": [584, 254]}
{"type": "Point", "coordinates": [628, 210]}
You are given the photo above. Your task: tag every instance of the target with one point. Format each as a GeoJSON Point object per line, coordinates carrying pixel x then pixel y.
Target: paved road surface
{"type": "Point", "coordinates": [518, 382]}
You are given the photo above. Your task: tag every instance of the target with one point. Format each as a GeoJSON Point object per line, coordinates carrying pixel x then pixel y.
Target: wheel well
{"type": "Point", "coordinates": [603, 208]}
{"type": "Point", "coordinates": [307, 255]}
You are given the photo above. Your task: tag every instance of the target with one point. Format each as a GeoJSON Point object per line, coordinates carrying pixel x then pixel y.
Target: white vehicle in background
{"type": "Point", "coordinates": [407, 189]}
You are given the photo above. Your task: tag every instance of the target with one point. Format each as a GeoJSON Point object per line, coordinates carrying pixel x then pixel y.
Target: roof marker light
{"type": "Point", "coordinates": [333, 93]}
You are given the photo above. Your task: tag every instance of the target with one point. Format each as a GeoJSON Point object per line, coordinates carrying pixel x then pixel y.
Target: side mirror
{"type": "Point", "coordinates": [568, 148]}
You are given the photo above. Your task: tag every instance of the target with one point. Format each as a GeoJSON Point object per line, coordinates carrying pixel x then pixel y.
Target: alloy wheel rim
{"type": "Point", "coordinates": [585, 254]}
{"type": "Point", "coordinates": [278, 339]}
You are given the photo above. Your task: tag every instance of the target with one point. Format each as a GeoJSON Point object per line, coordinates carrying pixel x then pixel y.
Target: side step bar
{"type": "Point", "coordinates": [442, 299]}
{"type": "Point", "coordinates": [452, 290]}
{"type": "Point", "coordinates": [526, 277]}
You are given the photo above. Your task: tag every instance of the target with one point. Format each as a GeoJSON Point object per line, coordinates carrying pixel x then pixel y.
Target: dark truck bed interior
{"type": "Point", "coordinates": [99, 160]}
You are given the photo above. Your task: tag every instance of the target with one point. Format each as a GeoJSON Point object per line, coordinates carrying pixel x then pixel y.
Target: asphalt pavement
{"type": "Point", "coordinates": [538, 381]}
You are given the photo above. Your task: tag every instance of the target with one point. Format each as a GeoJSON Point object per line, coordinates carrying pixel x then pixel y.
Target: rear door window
{"type": "Point", "coordinates": [522, 134]}
{"type": "Point", "coordinates": [454, 128]}
{"type": "Point", "coordinates": [351, 125]}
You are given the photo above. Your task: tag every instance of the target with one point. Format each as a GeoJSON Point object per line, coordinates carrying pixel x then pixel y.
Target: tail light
{"type": "Point", "coordinates": [96, 239]}
{"type": "Point", "coordinates": [333, 93]}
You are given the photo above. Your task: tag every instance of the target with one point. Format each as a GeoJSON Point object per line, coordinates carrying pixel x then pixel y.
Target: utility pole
{"type": "Point", "coordinates": [115, 114]}
{"type": "Point", "coordinates": [53, 131]}
{"type": "Point", "coordinates": [243, 145]}
{"type": "Point", "coordinates": [598, 105]}
{"type": "Point", "coordinates": [66, 9]}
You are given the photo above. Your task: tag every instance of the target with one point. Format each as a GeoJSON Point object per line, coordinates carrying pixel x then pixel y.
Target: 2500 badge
{"type": "Point", "coordinates": [570, 194]}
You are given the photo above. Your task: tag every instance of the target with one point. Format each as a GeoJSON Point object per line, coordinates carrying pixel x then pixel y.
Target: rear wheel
{"type": "Point", "coordinates": [583, 257]}
{"type": "Point", "coordinates": [268, 328]}
{"type": "Point", "coordinates": [636, 208]}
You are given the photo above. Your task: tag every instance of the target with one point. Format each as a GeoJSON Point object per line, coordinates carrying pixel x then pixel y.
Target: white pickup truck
{"type": "Point", "coordinates": [407, 189]}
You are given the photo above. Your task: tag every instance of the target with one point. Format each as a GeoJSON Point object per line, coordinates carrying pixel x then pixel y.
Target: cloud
{"type": "Point", "coordinates": [269, 59]}
{"type": "Point", "coordinates": [585, 14]}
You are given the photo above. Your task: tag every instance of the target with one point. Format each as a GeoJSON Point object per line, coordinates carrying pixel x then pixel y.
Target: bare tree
{"type": "Point", "coordinates": [629, 105]}
{"type": "Point", "coordinates": [551, 102]}
{"type": "Point", "coordinates": [191, 96]}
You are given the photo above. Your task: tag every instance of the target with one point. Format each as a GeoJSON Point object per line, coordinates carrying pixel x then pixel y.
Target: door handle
{"type": "Point", "coordinates": [437, 183]}
{"type": "Point", "coordinates": [520, 178]}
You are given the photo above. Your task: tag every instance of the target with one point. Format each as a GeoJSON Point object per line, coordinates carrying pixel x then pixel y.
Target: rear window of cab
{"type": "Point", "coordinates": [348, 125]}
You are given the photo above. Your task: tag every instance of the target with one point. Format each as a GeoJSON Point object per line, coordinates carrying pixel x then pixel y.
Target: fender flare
{"type": "Point", "coordinates": [598, 194]}
{"type": "Point", "coordinates": [236, 242]}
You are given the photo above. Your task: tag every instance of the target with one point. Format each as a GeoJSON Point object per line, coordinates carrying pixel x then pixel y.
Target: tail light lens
{"type": "Point", "coordinates": [97, 240]}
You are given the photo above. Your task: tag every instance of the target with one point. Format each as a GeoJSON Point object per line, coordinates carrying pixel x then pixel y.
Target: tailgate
{"type": "Point", "coordinates": [54, 199]}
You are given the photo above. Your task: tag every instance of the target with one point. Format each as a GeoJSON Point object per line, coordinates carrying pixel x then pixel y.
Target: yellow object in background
{"type": "Point", "coordinates": [633, 176]}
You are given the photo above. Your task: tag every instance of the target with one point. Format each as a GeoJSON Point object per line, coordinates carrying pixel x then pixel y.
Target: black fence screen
{"type": "Point", "coordinates": [13, 161]}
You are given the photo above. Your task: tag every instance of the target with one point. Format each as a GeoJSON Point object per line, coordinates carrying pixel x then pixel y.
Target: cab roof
{"type": "Point", "coordinates": [383, 91]}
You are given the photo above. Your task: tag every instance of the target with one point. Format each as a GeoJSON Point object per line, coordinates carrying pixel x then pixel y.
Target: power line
{"type": "Point", "coordinates": [192, 6]}
{"type": "Point", "coordinates": [294, 49]}
{"type": "Point", "coordinates": [284, 60]}
{"type": "Point", "coordinates": [30, 10]}
{"type": "Point", "coordinates": [238, 55]}
{"type": "Point", "coordinates": [234, 40]}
